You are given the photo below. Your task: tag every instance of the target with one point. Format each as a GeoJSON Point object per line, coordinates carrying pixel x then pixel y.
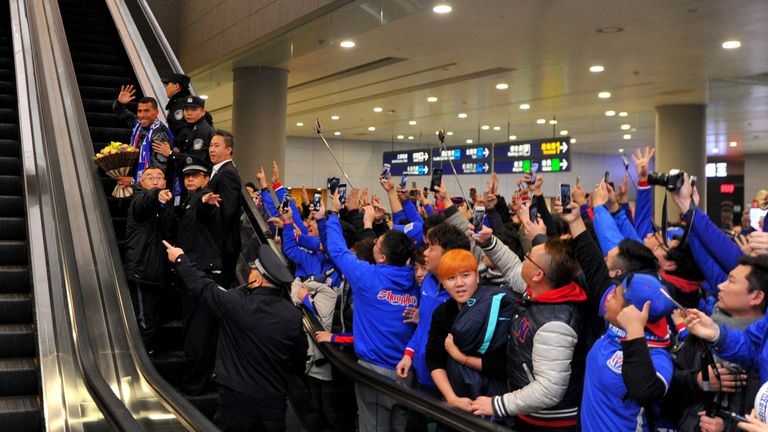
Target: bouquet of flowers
{"type": "Point", "coordinates": [117, 159]}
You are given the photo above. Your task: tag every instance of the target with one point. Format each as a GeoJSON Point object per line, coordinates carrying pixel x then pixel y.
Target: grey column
{"type": "Point", "coordinates": [680, 143]}
{"type": "Point", "coordinates": [258, 119]}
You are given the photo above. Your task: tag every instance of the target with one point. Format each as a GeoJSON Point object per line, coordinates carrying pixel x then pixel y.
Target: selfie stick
{"type": "Point", "coordinates": [319, 131]}
{"type": "Point", "coordinates": [441, 137]}
{"type": "Point", "coordinates": [626, 168]}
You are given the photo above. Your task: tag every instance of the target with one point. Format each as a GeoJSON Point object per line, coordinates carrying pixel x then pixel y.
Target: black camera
{"type": "Point", "coordinates": [672, 181]}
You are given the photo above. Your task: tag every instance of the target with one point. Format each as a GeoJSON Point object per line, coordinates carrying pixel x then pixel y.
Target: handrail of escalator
{"type": "Point", "coordinates": [416, 399]}
{"type": "Point", "coordinates": [40, 63]}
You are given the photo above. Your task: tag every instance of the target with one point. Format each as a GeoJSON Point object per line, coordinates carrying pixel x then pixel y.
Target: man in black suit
{"type": "Point", "coordinates": [226, 182]}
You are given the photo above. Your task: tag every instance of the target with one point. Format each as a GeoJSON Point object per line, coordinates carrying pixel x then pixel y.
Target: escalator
{"type": "Point", "coordinates": [20, 393]}
{"type": "Point", "coordinates": [101, 67]}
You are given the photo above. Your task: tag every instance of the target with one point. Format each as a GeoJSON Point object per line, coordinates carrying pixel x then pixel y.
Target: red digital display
{"type": "Point", "coordinates": [727, 188]}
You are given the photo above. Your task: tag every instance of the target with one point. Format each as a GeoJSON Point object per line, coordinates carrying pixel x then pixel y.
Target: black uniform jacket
{"type": "Point", "coordinates": [199, 233]}
{"type": "Point", "coordinates": [147, 225]}
{"type": "Point", "coordinates": [227, 183]}
{"type": "Point", "coordinates": [261, 340]}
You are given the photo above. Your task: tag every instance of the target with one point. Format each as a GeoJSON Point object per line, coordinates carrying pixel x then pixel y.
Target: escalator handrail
{"type": "Point", "coordinates": [416, 399]}
{"type": "Point", "coordinates": [43, 67]}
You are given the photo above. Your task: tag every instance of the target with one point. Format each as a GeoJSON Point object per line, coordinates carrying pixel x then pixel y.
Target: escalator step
{"type": "Point", "coordinates": [93, 47]}
{"type": "Point", "coordinates": [8, 130]}
{"type": "Point", "coordinates": [170, 364]}
{"type": "Point", "coordinates": [11, 185]}
{"type": "Point", "coordinates": [206, 403]}
{"type": "Point", "coordinates": [108, 120]}
{"type": "Point", "coordinates": [108, 134]}
{"type": "Point", "coordinates": [9, 147]}
{"type": "Point", "coordinates": [102, 68]}
{"type": "Point", "coordinates": [13, 252]}
{"type": "Point", "coordinates": [7, 88]}
{"type": "Point", "coordinates": [118, 207]}
{"type": "Point", "coordinates": [18, 340]}
{"type": "Point", "coordinates": [18, 376]}
{"type": "Point", "coordinates": [99, 58]}
{"type": "Point", "coordinates": [8, 101]}
{"type": "Point", "coordinates": [170, 336]}
{"type": "Point", "coordinates": [99, 93]}
{"type": "Point", "coordinates": [7, 74]}
{"type": "Point", "coordinates": [6, 62]}
{"type": "Point", "coordinates": [15, 308]}
{"type": "Point", "coordinates": [21, 414]}
{"type": "Point", "coordinates": [11, 206]}
{"type": "Point", "coordinates": [10, 166]}
{"type": "Point", "coordinates": [9, 115]}
{"type": "Point", "coordinates": [113, 81]}
{"type": "Point", "coordinates": [99, 105]}
{"type": "Point", "coordinates": [15, 279]}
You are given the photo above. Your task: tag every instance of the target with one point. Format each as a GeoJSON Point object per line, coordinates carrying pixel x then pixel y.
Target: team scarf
{"type": "Point", "coordinates": [145, 151]}
{"type": "Point", "coordinates": [651, 339]}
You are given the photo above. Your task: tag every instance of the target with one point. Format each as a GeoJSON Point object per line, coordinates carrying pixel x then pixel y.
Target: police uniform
{"type": "Point", "coordinates": [198, 235]}
{"type": "Point", "coordinates": [262, 344]}
{"type": "Point", "coordinates": [174, 108]}
{"type": "Point", "coordinates": [194, 138]}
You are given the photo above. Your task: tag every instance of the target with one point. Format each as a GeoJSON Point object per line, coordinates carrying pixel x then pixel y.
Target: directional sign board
{"type": "Point", "coordinates": [515, 157]}
{"type": "Point", "coordinates": [466, 159]}
{"type": "Point", "coordinates": [408, 162]}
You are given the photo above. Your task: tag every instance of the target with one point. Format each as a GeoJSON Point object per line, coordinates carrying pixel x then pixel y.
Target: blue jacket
{"type": "Point", "coordinates": [280, 192]}
{"type": "Point", "coordinates": [380, 294]}
{"type": "Point", "coordinates": [623, 220]}
{"type": "Point", "coordinates": [603, 405]}
{"type": "Point", "coordinates": [432, 296]}
{"type": "Point", "coordinates": [748, 347]}
{"type": "Point", "coordinates": [713, 273]}
{"type": "Point", "coordinates": [608, 234]}
{"type": "Point", "coordinates": [717, 244]}
{"type": "Point", "coordinates": [644, 210]}
{"type": "Point", "coordinates": [309, 262]}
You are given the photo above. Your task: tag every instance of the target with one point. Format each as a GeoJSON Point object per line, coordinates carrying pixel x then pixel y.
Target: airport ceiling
{"type": "Point", "coordinates": [485, 60]}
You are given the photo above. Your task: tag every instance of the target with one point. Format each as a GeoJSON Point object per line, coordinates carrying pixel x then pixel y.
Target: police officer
{"type": "Point", "coordinates": [261, 341]}
{"type": "Point", "coordinates": [193, 139]}
{"type": "Point", "coordinates": [199, 234]}
{"type": "Point", "coordinates": [177, 90]}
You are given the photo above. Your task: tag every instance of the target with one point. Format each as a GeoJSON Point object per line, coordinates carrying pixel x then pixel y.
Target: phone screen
{"type": "Point", "coordinates": [286, 202]}
{"type": "Point", "coordinates": [333, 183]}
{"type": "Point", "coordinates": [534, 212]}
{"type": "Point", "coordinates": [607, 177]}
{"type": "Point", "coordinates": [534, 170]}
{"type": "Point", "coordinates": [477, 218]}
{"type": "Point", "coordinates": [316, 200]}
{"type": "Point", "coordinates": [437, 179]}
{"type": "Point", "coordinates": [342, 193]}
{"type": "Point", "coordinates": [403, 183]}
{"type": "Point", "coordinates": [385, 171]}
{"type": "Point", "coordinates": [565, 196]}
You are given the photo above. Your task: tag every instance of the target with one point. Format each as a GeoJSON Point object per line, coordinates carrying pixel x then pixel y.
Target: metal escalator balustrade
{"type": "Point", "coordinates": [102, 66]}
{"type": "Point", "coordinates": [20, 401]}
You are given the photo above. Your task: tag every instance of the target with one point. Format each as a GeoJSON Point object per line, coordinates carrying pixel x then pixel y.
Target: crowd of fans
{"type": "Point", "coordinates": [583, 316]}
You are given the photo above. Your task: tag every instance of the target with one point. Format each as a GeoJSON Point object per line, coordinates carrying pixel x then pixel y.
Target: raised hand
{"type": "Point", "coordinates": [127, 94]}
{"type": "Point", "coordinates": [701, 325]}
{"type": "Point", "coordinates": [335, 201]}
{"type": "Point", "coordinates": [353, 200]}
{"type": "Point", "coordinates": [164, 196]}
{"type": "Point", "coordinates": [173, 252]}
{"type": "Point", "coordinates": [633, 320]}
{"type": "Point", "coordinates": [262, 178]}
{"type": "Point", "coordinates": [275, 173]}
{"type": "Point", "coordinates": [642, 159]}
{"type": "Point", "coordinates": [578, 195]}
{"type": "Point", "coordinates": [622, 195]}
{"type": "Point", "coordinates": [161, 147]}
{"type": "Point", "coordinates": [212, 199]}
{"type": "Point", "coordinates": [600, 194]}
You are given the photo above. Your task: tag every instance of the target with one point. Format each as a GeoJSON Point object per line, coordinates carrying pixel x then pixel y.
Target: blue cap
{"type": "Point", "coordinates": [308, 242]}
{"type": "Point", "coordinates": [640, 288]}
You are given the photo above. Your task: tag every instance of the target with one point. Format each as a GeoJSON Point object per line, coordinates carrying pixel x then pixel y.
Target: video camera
{"type": "Point", "coordinates": [671, 181]}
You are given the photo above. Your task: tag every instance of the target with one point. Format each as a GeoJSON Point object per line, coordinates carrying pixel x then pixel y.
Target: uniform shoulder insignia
{"type": "Point", "coordinates": [178, 114]}
{"type": "Point", "coordinates": [197, 144]}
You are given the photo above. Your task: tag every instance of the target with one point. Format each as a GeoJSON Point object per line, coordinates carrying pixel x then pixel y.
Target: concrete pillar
{"type": "Point", "coordinates": [258, 119]}
{"type": "Point", "coordinates": [680, 143]}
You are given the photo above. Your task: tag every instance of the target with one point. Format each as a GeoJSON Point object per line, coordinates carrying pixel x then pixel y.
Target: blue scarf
{"type": "Point", "coordinates": [145, 152]}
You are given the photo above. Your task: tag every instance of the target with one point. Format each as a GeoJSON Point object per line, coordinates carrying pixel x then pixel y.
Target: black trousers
{"type": "Point", "coordinates": [201, 331]}
{"type": "Point", "coordinates": [229, 421]}
{"type": "Point", "coordinates": [146, 300]}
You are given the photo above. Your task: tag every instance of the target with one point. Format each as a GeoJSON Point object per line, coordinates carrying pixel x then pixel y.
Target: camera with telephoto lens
{"type": "Point", "coordinates": [672, 181]}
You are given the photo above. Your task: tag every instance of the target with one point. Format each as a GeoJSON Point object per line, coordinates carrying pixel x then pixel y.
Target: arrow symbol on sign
{"type": "Point", "coordinates": [426, 169]}
{"type": "Point", "coordinates": [485, 168]}
{"type": "Point", "coordinates": [563, 147]}
{"type": "Point", "coordinates": [563, 164]}
{"type": "Point", "coordinates": [485, 152]}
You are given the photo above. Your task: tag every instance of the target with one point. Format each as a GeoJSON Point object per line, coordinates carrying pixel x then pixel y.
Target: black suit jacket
{"type": "Point", "coordinates": [227, 183]}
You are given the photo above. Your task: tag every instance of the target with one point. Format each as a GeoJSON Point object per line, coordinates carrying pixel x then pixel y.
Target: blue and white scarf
{"type": "Point", "coordinates": [145, 152]}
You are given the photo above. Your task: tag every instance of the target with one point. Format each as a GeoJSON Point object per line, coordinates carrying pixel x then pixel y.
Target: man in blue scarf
{"type": "Point", "coordinates": [147, 129]}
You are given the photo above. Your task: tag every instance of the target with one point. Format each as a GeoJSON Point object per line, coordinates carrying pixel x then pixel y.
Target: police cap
{"type": "Point", "coordinates": [270, 265]}
{"type": "Point", "coordinates": [193, 164]}
{"type": "Point", "coordinates": [180, 79]}
{"type": "Point", "coordinates": [193, 101]}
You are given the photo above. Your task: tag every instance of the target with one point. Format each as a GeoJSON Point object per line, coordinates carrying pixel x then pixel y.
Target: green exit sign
{"type": "Point", "coordinates": [555, 165]}
{"type": "Point", "coordinates": [526, 166]}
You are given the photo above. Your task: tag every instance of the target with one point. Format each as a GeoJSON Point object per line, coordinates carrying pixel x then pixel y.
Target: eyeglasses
{"type": "Point", "coordinates": [155, 178]}
{"type": "Point", "coordinates": [528, 257]}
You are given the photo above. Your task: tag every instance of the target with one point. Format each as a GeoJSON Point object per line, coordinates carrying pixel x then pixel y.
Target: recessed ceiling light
{"type": "Point", "coordinates": [400, 136]}
{"type": "Point", "coordinates": [449, 133]}
{"type": "Point", "coordinates": [502, 86]}
{"type": "Point", "coordinates": [299, 124]}
{"type": "Point", "coordinates": [627, 136]}
{"type": "Point", "coordinates": [625, 127]}
{"type": "Point", "coordinates": [610, 29]}
{"type": "Point", "coordinates": [512, 137]}
{"type": "Point", "coordinates": [469, 141]}
{"type": "Point", "coordinates": [337, 133]}
{"type": "Point", "coordinates": [334, 117]}
{"type": "Point", "coordinates": [573, 140]}
{"type": "Point", "coordinates": [371, 128]}
{"type": "Point", "coordinates": [621, 150]}
{"type": "Point", "coordinates": [604, 95]}
{"type": "Point", "coordinates": [553, 122]}
{"type": "Point", "coordinates": [431, 99]}
{"type": "Point", "coordinates": [610, 113]}
{"type": "Point", "coordinates": [525, 106]}
{"type": "Point", "coordinates": [410, 137]}
{"type": "Point", "coordinates": [442, 8]}
{"type": "Point", "coordinates": [203, 96]}
{"type": "Point", "coordinates": [462, 115]}
{"type": "Point", "coordinates": [715, 150]}
{"type": "Point", "coordinates": [485, 127]}
{"type": "Point", "coordinates": [731, 44]}
{"type": "Point", "coordinates": [541, 121]}
{"type": "Point", "coordinates": [378, 109]}
{"type": "Point", "coordinates": [563, 132]}
{"type": "Point", "coordinates": [733, 143]}
{"type": "Point", "coordinates": [412, 122]}
{"type": "Point", "coordinates": [497, 128]}
{"type": "Point", "coordinates": [596, 68]}
{"type": "Point", "coordinates": [347, 43]}
{"type": "Point", "coordinates": [623, 114]}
